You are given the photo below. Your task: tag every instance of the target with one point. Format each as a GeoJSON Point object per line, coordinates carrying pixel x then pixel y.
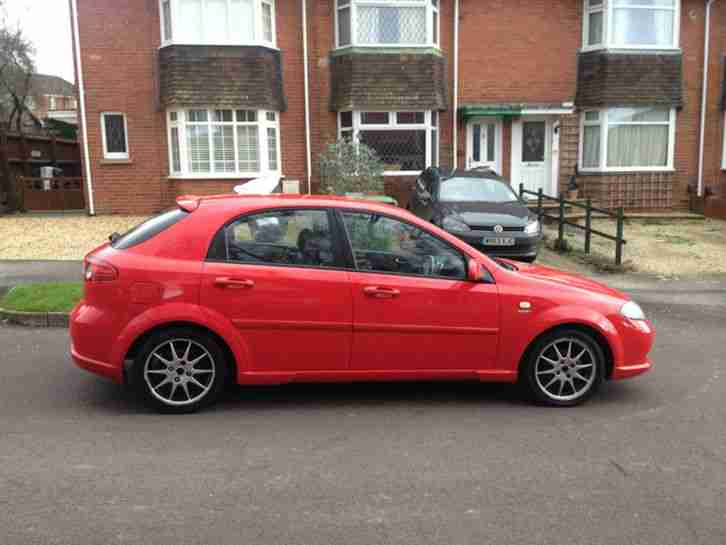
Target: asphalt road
{"type": "Point", "coordinates": [643, 463]}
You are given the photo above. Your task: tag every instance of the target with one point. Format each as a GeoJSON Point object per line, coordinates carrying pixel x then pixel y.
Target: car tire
{"type": "Point", "coordinates": [563, 368]}
{"type": "Point", "coordinates": [179, 370]}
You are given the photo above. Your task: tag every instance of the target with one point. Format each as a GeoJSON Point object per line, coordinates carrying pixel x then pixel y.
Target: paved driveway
{"type": "Point", "coordinates": [26, 272]}
{"type": "Point", "coordinates": [643, 463]}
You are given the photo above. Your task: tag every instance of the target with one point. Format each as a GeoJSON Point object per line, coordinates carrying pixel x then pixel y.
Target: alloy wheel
{"type": "Point", "coordinates": [179, 372]}
{"type": "Point", "coordinates": [565, 369]}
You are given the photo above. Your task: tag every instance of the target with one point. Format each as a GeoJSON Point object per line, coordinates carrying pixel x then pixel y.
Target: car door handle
{"type": "Point", "coordinates": [233, 283]}
{"type": "Point", "coordinates": [381, 293]}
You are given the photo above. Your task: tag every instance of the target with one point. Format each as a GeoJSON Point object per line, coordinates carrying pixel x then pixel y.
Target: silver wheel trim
{"type": "Point", "coordinates": [565, 369]}
{"type": "Point", "coordinates": [179, 372]}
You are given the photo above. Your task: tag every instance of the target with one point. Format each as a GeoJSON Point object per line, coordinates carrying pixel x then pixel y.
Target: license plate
{"type": "Point", "coordinates": [498, 241]}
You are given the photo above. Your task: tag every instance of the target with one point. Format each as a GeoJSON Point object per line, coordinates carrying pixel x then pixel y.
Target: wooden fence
{"type": "Point", "coordinates": [618, 216]}
{"type": "Point", "coordinates": [53, 194]}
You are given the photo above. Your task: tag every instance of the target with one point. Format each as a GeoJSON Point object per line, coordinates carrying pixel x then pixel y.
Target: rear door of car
{"type": "Point", "coordinates": [278, 275]}
{"type": "Point", "coordinates": [413, 307]}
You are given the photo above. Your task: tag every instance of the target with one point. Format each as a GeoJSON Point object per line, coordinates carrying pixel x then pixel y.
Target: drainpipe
{"type": "Point", "coordinates": [307, 94]}
{"type": "Point", "coordinates": [704, 95]}
{"type": "Point", "coordinates": [455, 133]}
{"type": "Point", "coordinates": [82, 104]}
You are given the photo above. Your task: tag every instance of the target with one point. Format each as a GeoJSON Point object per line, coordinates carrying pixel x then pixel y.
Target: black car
{"type": "Point", "coordinates": [479, 207]}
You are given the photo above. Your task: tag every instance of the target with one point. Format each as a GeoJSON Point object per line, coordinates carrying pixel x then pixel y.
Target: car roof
{"type": "Point", "coordinates": [487, 173]}
{"type": "Point", "coordinates": [249, 202]}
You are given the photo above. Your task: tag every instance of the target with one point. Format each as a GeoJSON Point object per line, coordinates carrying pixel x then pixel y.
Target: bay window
{"type": "Point", "coordinates": [217, 22]}
{"type": "Point", "coordinates": [406, 142]}
{"type": "Point", "coordinates": [387, 23]}
{"type": "Point", "coordinates": [627, 139]}
{"type": "Point", "coordinates": [223, 143]}
{"type": "Point", "coordinates": [631, 24]}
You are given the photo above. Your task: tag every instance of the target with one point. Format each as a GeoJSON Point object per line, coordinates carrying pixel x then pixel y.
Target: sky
{"type": "Point", "coordinates": [47, 24]}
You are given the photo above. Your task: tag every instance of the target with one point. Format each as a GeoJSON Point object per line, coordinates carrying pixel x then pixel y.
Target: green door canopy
{"type": "Point", "coordinates": [489, 110]}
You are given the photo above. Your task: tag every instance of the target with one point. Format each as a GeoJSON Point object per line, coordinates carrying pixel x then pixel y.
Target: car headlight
{"type": "Point", "coordinates": [451, 223]}
{"type": "Point", "coordinates": [632, 310]}
{"type": "Point", "coordinates": [532, 228]}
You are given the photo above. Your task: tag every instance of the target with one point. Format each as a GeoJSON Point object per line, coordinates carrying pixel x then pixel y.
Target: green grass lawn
{"type": "Point", "coordinates": [55, 297]}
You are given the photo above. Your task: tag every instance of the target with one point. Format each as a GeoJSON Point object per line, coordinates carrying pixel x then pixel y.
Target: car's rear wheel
{"type": "Point", "coordinates": [179, 370]}
{"type": "Point", "coordinates": [564, 368]}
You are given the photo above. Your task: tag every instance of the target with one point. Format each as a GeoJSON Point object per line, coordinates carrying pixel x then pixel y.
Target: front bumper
{"type": "Point", "coordinates": [628, 371]}
{"type": "Point", "coordinates": [525, 246]}
{"type": "Point", "coordinates": [638, 337]}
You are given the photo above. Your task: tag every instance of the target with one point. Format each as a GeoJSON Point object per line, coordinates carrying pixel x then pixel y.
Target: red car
{"type": "Point", "coordinates": [279, 289]}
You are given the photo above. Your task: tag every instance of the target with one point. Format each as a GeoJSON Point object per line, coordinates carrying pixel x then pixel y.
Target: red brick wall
{"type": "Point", "coordinates": [119, 41]}
{"type": "Point", "coordinates": [510, 51]}
{"type": "Point", "coordinates": [714, 177]}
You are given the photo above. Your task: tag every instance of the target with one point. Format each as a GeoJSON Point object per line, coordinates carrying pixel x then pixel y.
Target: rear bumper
{"type": "Point", "coordinates": [91, 335]}
{"type": "Point", "coordinates": [98, 367]}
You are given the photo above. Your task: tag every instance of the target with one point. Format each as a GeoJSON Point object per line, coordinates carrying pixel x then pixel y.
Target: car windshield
{"type": "Point", "coordinates": [475, 190]}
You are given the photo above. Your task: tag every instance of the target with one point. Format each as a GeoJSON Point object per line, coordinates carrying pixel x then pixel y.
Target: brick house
{"type": "Point", "coordinates": [52, 97]}
{"type": "Point", "coordinates": [195, 96]}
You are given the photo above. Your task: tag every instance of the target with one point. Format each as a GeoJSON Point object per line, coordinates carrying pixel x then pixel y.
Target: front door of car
{"type": "Point", "coordinates": [277, 277]}
{"type": "Point", "coordinates": [413, 308]}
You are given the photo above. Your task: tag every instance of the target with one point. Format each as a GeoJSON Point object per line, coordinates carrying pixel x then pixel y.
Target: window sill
{"type": "Point", "coordinates": [212, 177]}
{"type": "Point", "coordinates": [111, 162]}
{"type": "Point", "coordinates": [248, 44]}
{"type": "Point", "coordinates": [403, 173]}
{"type": "Point", "coordinates": [386, 49]}
{"type": "Point", "coordinates": [582, 172]}
{"type": "Point", "coordinates": [631, 49]}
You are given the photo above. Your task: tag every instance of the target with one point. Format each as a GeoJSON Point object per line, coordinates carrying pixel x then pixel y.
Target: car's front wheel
{"type": "Point", "coordinates": [179, 370]}
{"type": "Point", "coordinates": [564, 368]}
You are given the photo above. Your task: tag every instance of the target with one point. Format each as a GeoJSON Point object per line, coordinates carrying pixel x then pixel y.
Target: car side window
{"type": "Point", "coordinates": [282, 237]}
{"type": "Point", "coordinates": [387, 245]}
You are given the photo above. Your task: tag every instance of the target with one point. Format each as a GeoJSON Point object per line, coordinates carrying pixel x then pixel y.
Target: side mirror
{"type": "Point", "coordinates": [474, 272]}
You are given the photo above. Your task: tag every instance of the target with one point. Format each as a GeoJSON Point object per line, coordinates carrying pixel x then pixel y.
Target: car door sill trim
{"type": "Point", "coordinates": [393, 375]}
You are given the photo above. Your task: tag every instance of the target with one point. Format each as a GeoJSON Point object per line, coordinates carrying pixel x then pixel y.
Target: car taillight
{"type": "Point", "coordinates": [98, 270]}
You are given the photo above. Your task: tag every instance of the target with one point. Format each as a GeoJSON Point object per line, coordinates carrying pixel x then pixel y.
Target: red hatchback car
{"type": "Point", "coordinates": [278, 289]}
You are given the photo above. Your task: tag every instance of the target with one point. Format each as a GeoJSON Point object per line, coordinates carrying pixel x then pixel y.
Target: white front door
{"type": "Point", "coordinates": [484, 144]}
{"type": "Point", "coordinates": [532, 154]}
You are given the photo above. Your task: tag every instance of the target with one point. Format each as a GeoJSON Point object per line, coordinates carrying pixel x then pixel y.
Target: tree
{"type": "Point", "coordinates": [350, 167]}
{"type": "Point", "coordinates": [16, 71]}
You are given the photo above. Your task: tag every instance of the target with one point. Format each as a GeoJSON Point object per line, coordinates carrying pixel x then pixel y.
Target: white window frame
{"type": "Point", "coordinates": [604, 123]}
{"type": "Point", "coordinates": [114, 156]}
{"type": "Point", "coordinates": [257, 39]}
{"type": "Point", "coordinates": [723, 151]}
{"type": "Point", "coordinates": [263, 155]}
{"type": "Point", "coordinates": [393, 125]}
{"type": "Point", "coordinates": [432, 6]}
{"type": "Point", "coordinates": [608, 8]}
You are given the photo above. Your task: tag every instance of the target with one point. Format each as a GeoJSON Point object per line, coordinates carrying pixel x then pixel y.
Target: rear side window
{"type": "Point", "coordinates": [149, 229]}
{"type": "Point", "coordinates": [299, 238]}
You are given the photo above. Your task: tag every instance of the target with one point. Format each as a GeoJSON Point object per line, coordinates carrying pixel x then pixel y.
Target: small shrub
{"type": "Point", "coordinates": [350, 167]}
